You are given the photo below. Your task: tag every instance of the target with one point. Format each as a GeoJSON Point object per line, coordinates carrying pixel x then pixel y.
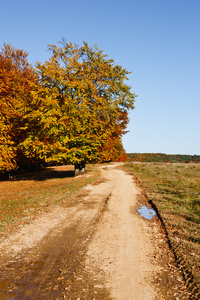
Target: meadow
{"type": "Point", "coordinates": [30, 195]}
{"type": "Point", "coordinates": [174, 189]}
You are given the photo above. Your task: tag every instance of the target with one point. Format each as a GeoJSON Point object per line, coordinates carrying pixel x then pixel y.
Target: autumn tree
{"type": "Point", "coordinates": [81, 105]}
{"type": "Point", "coordinates": [16, 77]}
{"type": "Point", "coordinates": [71, 109]}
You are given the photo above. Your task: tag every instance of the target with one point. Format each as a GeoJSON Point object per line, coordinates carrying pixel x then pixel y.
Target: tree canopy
{"type": "Point", "coordinates": [16, 77]}
{"type": "Point", "coordinates": [72, 108]}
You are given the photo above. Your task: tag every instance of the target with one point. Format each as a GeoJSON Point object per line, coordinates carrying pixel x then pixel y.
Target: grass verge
{"type": "Point", "coordinates": [27, 196]}
{"type": "Point", "coordinates": [175, 191]}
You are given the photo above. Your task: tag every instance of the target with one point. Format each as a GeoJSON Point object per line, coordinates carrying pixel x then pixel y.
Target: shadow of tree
{"type": "Point", "coordinates": [41, 174]}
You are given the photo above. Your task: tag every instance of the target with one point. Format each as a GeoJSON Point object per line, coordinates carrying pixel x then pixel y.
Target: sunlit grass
{"type": "Point", "coordinates": [175, 190]}
{"type": "Point", "coordinates": [21, 201]}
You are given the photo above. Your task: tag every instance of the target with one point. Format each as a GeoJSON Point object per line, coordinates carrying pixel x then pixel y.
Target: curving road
{"type": "Point", "coordinates": [91, 247]}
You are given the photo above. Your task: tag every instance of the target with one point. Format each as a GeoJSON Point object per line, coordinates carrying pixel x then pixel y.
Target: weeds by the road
{"type": "Point", "coordinates": [30, 195]}
{"type": "Point", "coordinates": [175, 190]}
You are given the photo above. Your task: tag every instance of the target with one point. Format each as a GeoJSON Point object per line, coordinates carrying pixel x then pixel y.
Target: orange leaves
{"type": "Point", "coordinates": [16, 76]}
{"type": "Point", "coordinates": [70, 109]}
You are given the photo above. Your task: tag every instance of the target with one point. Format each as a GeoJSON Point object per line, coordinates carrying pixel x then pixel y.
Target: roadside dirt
{"type": "Point", "coordinates": [92, 246]}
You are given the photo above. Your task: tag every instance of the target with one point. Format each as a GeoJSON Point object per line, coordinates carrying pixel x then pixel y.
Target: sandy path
{"type": "Point", "coordinates": [94, 247]}
{"type": "Point", "coordinates": [121, 247]}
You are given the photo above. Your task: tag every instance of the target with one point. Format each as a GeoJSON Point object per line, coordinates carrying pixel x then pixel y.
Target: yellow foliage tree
{"type": "Point", "coordinates": [81, 103]}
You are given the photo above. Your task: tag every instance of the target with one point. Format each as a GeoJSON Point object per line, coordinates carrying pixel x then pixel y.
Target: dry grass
{"type": "Point", "coordinates": [29, 195]}
{"type": "Point", "coordinates": [175, 190]}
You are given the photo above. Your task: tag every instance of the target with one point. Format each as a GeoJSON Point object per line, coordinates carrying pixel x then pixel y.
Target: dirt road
{"type": "Point", "coordinates": [93, 246]}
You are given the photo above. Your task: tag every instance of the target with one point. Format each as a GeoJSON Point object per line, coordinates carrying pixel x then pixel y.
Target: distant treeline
{"type": "Point", "coordinates": [161, 157]}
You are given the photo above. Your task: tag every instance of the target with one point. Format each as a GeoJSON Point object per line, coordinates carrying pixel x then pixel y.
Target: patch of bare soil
{"type": "Point", "coordinates": [92, 246]}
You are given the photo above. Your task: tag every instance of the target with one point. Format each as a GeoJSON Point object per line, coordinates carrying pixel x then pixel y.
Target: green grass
{"type": "Point", "coordinates": [175, 190]}
{"type": "Point", "coordinates": [25, 198]}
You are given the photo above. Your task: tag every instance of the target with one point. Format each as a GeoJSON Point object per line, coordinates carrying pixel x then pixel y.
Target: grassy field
{"type": "Point", "coordinates": [173, 187]}
{"type": "Point", "coordinates": [29, 195]}
{"type": "Point", "coordinates": [175, 190]}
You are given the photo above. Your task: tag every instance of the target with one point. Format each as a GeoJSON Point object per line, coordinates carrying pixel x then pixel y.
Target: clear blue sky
{"type": "Point", "coordinates": [157, 40]}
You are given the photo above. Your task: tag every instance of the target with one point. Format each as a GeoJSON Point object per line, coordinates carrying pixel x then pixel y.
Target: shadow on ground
{"type": "Point", "coordinates": [42, 174]}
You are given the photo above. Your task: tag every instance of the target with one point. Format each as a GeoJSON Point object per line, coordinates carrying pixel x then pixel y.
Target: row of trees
{"type": "Point", "coordinates": [162, 157]}
{"type": "Point", "coordinates": [72, 108]}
